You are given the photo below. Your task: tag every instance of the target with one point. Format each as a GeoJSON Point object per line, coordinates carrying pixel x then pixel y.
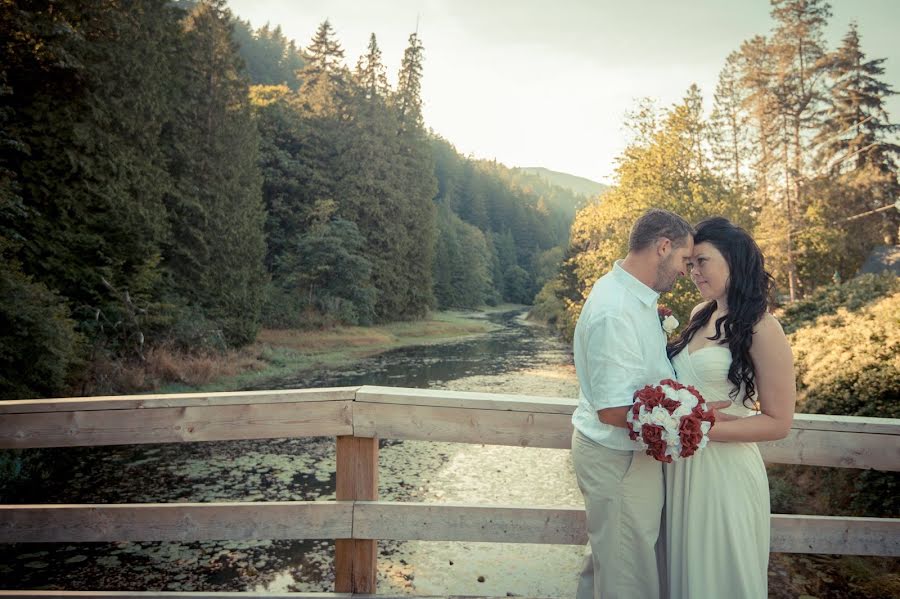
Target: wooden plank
{"type": "Point", "coordinates": [236, 521]}
{"type": "Point", "coordinates": [466, 399]}
{"type": "Point", "coordinates": [469, 522]}
{"type": "Point", "coordinates": [849, 424]}
{"type": "Point", "coordinates": [167, 595]}
{"type": "Point", "coordinates": [838, 449]}
{"type": "Point", "coordinates": [176, 425]}
{"type": "Point", "coordinates": [355, 560]}
{"type": "Point", "coordinates": [214, 595]}
{"type": "Point", "coordinates": [493, 427]}
{"type": "Point", "coordinates": [836, 535]}
{"type": "Point", "coordinates": [462, 425]}
{"type": "Point", "coordinates": [562, 525]}
{"type": "Point", "coordinates": [176, 400]}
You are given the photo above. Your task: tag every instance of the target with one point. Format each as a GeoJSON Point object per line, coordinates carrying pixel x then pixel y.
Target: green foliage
{"type": "Point", "coordinates": [852, 296]}
{"type": "Point", "coordinates": [524, 219]}
{"type": "Point", "coordinates": [462, 264]}
{"type": "Point", "coordinates": [86, 117]}
{"type": "Point", "coordinates": [215, 207]}
{"type": "Point", "coordinates": [329, 269]}
{"type": "Point", "coordinates": [848, 362]}
{"type": "Point", "coordinates": [548, 305]}
{"type": "Point", "coordinates": [270, 58]}
{"type": "Point", "coordinates": [783, 495]}
{"type": "Point", "coordinates": [517, 285]}
{"type": "Point", "coordinates": [38, 342]}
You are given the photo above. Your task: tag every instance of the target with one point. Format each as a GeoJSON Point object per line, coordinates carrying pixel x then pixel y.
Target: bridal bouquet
{"type": "Point", "coordinates": [671, 420]}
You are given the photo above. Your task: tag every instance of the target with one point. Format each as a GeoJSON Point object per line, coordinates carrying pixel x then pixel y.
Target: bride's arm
{"type": "Point", "coordinates": [775, 388]}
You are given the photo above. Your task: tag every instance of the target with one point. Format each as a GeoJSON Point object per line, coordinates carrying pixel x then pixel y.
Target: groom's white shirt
{"type": "Point", "coordinates": [619, 347]}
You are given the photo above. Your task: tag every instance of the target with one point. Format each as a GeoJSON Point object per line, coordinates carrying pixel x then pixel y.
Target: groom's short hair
{"type": "Point", "coordinates": [656, 223]}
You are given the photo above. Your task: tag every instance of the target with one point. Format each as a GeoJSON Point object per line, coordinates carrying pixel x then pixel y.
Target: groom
{"type": "Point", "coordinates": [620, 346]}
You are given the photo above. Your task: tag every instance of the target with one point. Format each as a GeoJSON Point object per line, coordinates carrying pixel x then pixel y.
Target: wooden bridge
{"type": "Point", "coordinates": [357, 417]}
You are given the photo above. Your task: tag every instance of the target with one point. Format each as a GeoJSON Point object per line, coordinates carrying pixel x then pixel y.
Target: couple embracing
{"type": "Point", "coordinates": [698, 527]}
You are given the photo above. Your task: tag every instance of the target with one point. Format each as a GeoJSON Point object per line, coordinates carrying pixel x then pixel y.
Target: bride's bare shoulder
{"type": "Point", "coordinates": [699, 307]}
{"type": "Point", "coordinates": [768, 329]}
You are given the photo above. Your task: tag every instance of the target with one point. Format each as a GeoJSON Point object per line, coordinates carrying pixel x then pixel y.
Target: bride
{"type": "Point", "coordinates": [717, 502]}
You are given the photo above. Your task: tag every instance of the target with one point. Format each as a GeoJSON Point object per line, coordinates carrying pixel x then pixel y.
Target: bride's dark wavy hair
{"type": "Point", "coordinates": [749, 286]}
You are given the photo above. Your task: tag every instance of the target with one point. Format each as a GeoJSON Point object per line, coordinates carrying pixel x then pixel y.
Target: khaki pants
{"type": "Point", "coordinates": [623, 497]}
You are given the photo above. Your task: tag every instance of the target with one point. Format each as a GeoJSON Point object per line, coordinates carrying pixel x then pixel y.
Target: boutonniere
{"type": "Point", "coordinates": [669, 323]}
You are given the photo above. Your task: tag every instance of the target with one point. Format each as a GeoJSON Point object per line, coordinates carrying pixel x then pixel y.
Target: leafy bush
{"type": "Point", "coordinates": [848, 363]}
{"type": "Point", "coordinates": [38, 342]}
{"type": "Point", "coordinates": [827, 300]}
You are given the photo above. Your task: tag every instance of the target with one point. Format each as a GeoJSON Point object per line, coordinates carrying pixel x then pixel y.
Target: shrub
{"type": "Point", "coordinates": [848, 363]}
{"type": "Point", "coordinates": [38, 343]}
{"type": "Point", "coordinates": [828, 299]}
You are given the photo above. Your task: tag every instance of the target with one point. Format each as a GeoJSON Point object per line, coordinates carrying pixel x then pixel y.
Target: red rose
{"type": "Point", "coordinates": [693, 391]}
{"type": "Point", "coordinates": [651, 434]}
{"type": "Point", "coordinates": [672, 383]}
{"type": "Point", "coordinates": [658, 452]}
{"type": "Point", "coordinates": [670, 404]}
{"type": "Point", "coordinates": [663, 311]}
{"type": "Point", "coordinates": [688, 424]}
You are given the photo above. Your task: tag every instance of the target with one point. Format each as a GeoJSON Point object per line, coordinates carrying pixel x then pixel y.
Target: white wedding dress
{"type": "Point", "coordinates": [717, 502]}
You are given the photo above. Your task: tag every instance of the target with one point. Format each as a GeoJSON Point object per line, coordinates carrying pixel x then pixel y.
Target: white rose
{"type": "Point", "coordinates": [704, 427]}
{"type": "Point", "coordinates": [660, 416]}
{"type": "Point", "coordinates": [687, 399]}
{"type": "Point", "coordinates": [669, 323]}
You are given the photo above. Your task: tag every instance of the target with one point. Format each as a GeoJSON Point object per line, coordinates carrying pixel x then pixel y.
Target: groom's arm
{"type": "Point", "coordinates": [614, 416]}
{"type": "Point", "coordinates": [615, 367]}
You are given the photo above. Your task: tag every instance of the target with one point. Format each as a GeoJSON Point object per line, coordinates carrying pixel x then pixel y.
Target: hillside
{"type": "Point", "coordinates": [579, 185]}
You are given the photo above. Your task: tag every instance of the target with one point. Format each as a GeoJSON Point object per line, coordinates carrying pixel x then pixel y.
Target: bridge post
{"type": "Point", "coordinates": [355, 560]}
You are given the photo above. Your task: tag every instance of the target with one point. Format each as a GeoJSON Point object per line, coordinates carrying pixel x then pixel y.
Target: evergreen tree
{"type": "Point", "coordinates": [729, 124]}
{"type": "Point", "coordinates": [418, 185]}
{"type": "Point", "coordinates": [87, 100]}
{"type": "Point", "coordinates": [756, 74]}
{"type": "Point", "coordinates": [857, 131]}
{"type": "Point", "coordinates": [270, 58]}
{"type": "Point", "coordinates": [216, 206]}
{"type": "Point", "coordinates": [324, 78]}
{"type": "Point", "coordinates": [856, 167]}
{"type": "Point", "coordinates": [328, 269]}
{"type": "Point", "coordinates": [798, 45]}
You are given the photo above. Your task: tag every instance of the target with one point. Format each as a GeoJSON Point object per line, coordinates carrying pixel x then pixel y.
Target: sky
{"type": "Point", "coordinates": [549, 83]}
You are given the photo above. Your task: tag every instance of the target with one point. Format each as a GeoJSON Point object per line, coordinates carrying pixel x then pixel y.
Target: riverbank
{"type": "Point", "coordinates": [279, 353]}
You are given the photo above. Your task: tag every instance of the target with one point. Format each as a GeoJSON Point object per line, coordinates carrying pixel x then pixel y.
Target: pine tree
{"type": "Point", "coordinates": [369, 189]}
{"type": "Point", "coordinates": [857, 128]}
{"type": "Point", "coordinates": [729, 124]}
{"type": "Point", "coordinates": [857, 172]}
{"type": "Point", "coordinates": [756, 74]}
{"type": "Point", "coordinates": [270, 58]}
{"type": "Point", "coordinates": [798, 45]}
{"type": "Point", "coordinates": [87, 103]}
{"type": "Point", "coordinates": [216, 206]}
{"type": "Point", "coordinates": [416, 174]}
{"type": "Point", "coordinates": [324, 78]}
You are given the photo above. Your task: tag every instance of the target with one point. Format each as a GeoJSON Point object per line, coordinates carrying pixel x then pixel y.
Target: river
{"type": "Point", "coordinates": [518, 357]}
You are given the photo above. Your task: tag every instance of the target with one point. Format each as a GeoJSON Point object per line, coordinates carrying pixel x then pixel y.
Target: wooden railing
{"type": "Point", "coordinates": [358, 417]}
